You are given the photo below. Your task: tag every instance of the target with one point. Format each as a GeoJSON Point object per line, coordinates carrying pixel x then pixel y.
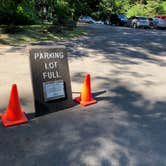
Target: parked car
{"type": "Point", "coordinates": [161, 17]}
{"type": "Point", "coordinates": [138, 21]}
{"type": "Point", "coordinates": [150, 22]}
{"type": "Point", "coordinates": [118, 19]}
{"type": "Point", "coordinates": [107, 22]}
{"type": "Point", "coordinates": [87, 19]}
{"type": "Point", "coordinates": [99, 22]}
{"type": "Point", "coordinates": [159, 22]}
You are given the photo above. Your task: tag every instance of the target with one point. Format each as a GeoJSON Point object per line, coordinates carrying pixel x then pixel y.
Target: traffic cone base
{"type": "Point", "coordinates": [85, 103]}
{"type": "Point", "coordinates": [85, 97]}
{"type": "Point", "coordinates": [8, 123]}
{"type": "Point", "coordinates": [13, 114]}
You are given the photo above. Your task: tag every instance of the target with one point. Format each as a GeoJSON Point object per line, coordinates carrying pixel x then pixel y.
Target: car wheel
{"type": "Point", "coordinates": [134, 25]}
{"type": "Point", "coordinates": [118, 23]}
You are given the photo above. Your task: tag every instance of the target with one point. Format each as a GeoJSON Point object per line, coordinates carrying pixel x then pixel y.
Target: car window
{"type": "Point", "coordinates": [142, 18]}
{"type": "Point", "coordinates": [122, 16]}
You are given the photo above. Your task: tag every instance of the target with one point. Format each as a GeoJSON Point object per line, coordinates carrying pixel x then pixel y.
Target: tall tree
{"type": "Point", "coordinates": [153, 7]}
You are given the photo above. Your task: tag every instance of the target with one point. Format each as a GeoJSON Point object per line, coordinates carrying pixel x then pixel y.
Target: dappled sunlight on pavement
{"type": "Point", "coordinates": [127, 125]}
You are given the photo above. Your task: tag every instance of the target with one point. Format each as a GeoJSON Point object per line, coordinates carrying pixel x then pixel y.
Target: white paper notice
{"type": "Point", "coordinates": [53, 90]}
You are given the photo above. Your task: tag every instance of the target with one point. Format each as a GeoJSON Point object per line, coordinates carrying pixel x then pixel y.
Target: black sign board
{"type": "Point", "coordinates": [50, 78]}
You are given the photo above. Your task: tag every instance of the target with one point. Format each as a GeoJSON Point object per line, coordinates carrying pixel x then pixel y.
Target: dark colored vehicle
{"type": "Point", "coordinates": [150, 22]}
{"type": "Point", "coordinates": [118, 19]}
{"type": "Point", "coordinates": [138, 21]}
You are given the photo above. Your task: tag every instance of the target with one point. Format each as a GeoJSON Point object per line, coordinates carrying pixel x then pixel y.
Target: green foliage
{"type": "Point", "coordinates": [163, 8]}
{"type": "Point", "coordinates": [63, 15]}
{"type": "Point", "coordinates": [67, 12]}
{"type": "Point", "coordinates": [148, 8]}
{"type": "Point", "coordinates": [136, 10]}
{"type": "Point", "coordinates": [62, 11]}
{"type": "Point", "coordinates": [106, 7]}
{"type": "Point", "coordinates": [153, 8]}
{"type": "Point", "coordinates": [96, 15]}
{"type": "Point", "coordinates": [17, 12]}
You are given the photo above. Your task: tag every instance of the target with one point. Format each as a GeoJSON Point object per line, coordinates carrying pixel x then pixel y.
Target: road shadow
{"type": "Point", "coordinates": [120, 129]}
{"type": "Point", "coordinates": [124, 128]}
{"type": "Point", "coordinates": [121, 45]}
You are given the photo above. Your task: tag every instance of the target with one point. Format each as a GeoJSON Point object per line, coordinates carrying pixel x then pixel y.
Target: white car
{"type": "Point", "coordinates": [99, 22]}
{"type": "Point", "coordinates": [139, 21]}
{"type": "Point", "coordinates": [87, 19]}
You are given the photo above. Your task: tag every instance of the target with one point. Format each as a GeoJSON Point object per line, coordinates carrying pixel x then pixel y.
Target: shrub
{"type": "Point", "coordinates": [63, 15]}
{"type": "Point", "coordinates": [17, 13]}
{"type": "Point", "coordinates": [137, 10]}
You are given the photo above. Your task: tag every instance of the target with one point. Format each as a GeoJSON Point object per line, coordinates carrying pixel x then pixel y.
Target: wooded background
{"type": "Point", "coordinates": [21, 12]}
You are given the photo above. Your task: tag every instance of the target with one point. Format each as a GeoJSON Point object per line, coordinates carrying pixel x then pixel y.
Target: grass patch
{"type": "Point", "coordinates": [36, 33]}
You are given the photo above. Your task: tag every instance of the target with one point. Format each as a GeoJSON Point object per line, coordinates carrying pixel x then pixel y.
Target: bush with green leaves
{"type": "Point", "coordinates": [63, 15]}
{"type": "Point", "coordinates": [136, 10]}
{"type": "Point", "coordinates": [67, 12]}
{"type": "Point", "coordinates": [62, 11]}
{"type": "Point", "coordinates": [18, 12]}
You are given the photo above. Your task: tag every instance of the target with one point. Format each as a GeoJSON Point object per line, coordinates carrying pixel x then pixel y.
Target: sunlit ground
{"type": "Point", "coordinates": [126, 126]}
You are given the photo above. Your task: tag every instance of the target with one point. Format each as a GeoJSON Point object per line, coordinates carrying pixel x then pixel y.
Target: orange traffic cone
{"type": "Point", "coordinates": [86, 97]}
{"type": "Point", "coordinates": [13, 115]}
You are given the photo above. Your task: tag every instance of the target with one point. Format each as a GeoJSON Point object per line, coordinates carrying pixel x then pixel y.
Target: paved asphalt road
{"type": "Point", "coordinates": [127, 127]}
